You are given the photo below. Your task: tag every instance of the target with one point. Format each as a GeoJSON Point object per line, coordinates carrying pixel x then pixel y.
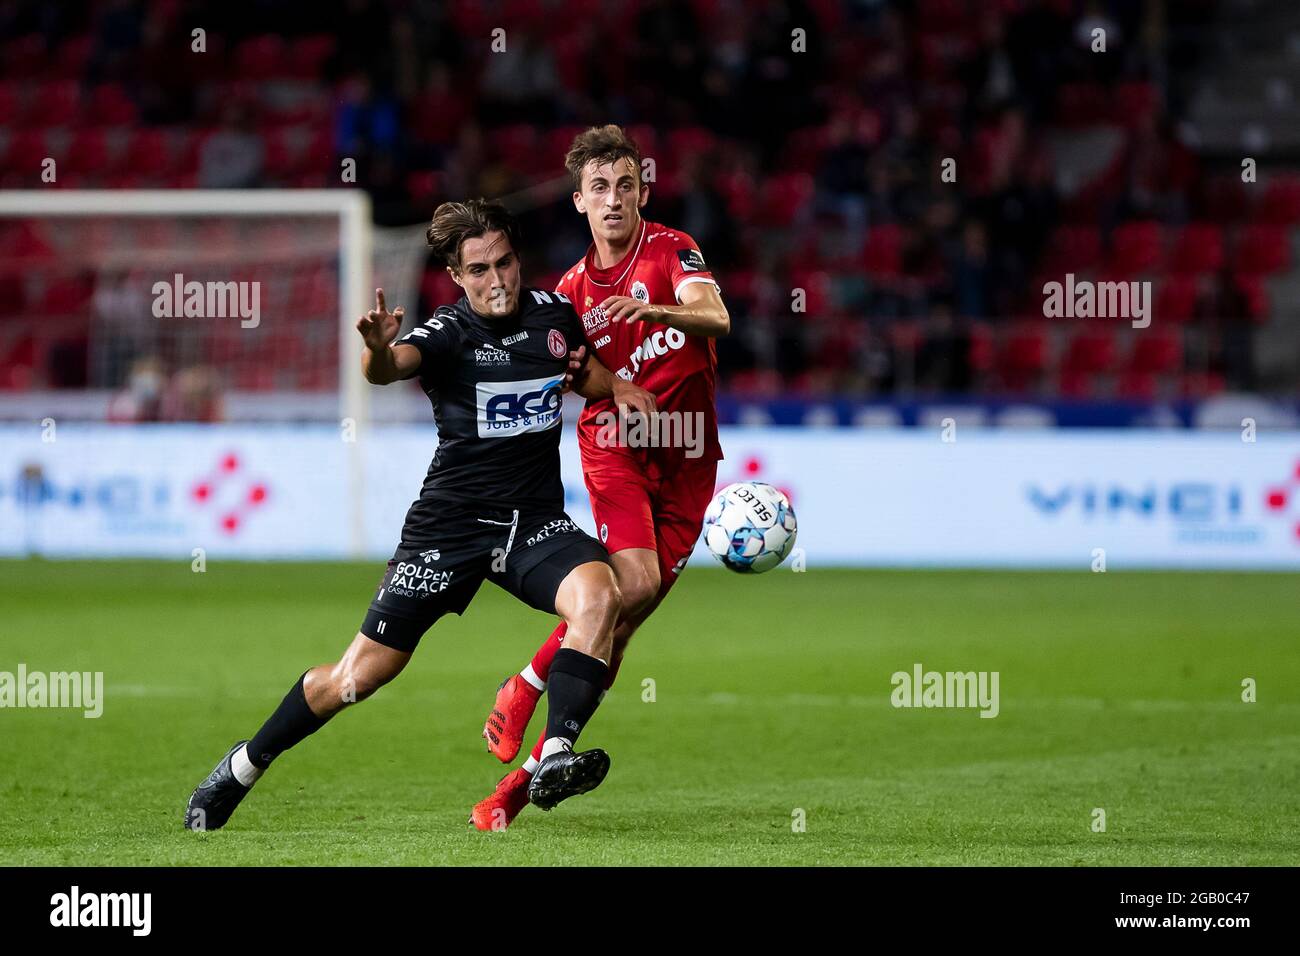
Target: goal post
{"type": "Point", "coordinates": [351, 209]}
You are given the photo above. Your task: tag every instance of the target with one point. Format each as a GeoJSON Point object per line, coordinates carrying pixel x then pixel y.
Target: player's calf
{"type": "Point", "coordinates": [319, 694]}
{"type": "Point", "coordinates": [589, 601]}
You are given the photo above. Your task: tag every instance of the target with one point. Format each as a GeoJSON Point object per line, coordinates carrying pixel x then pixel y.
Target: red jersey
{"type": "Point", "coordinates": [679, 369]}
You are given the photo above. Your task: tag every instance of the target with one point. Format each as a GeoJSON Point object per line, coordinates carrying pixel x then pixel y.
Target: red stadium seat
{"type": "Point", "coordinates": [282, 152]}
{"type": "Point", "coordinates": [87, 153]}
{"type": "Point", "coordinates": [1023, 357]}
{"type": "Point", "coordinates": [982, 356]}
{"type": "Point", "coordinates": [1157, 352]}
{"type": "Point", "coordinates": [53, 104]}
{"type": "Point", "coordinates": [74, 55]}
{"type": "Point", "coordinates": [787, 197]}
{"type": "Point", "coordinates": [18, 367]}
{"type": "Point", "coordinates": [1262, 250]}
{"type": "Point", "coordinates": [1091, 351]}
{"type": "Point", "coordinates": [1076, 384]}
{"type": "Point", "coordinates": [1137, 386]}
{"type": "Point", "coordinates": [307, 56]}
{"type": "Point", "coordinates": [1280, 204]}
{"type": "Point", "coordinates": [688, 141]}
{"type": "Point", "coordinates": [10, 102]}
{"type": "Point", "coordinates": [1134, 103]}
{"type": "Point", "coordinates": [1136, 247]}
{"type": "Point", "coordinates": [1199, 248]}
{"type": "Point", "coordinates": [148, 154]}
{"type": "Point", "coordinates": [1071, 249]}
{"type": "Point", "coordinates": [516, 145]}
{"type": "Point", "coordinates": [1176, 300]}
{"type": "Point", "coordinates": [819, 297]}
{"type": "Point", "coordinates": [67, 296]}
{"type": "Point", "coordinates": [646, 139]}
{"type": "Point", "coordinates": [26, 151]}
{"type": "Point", "coordinates": [1225, 199]}
{"type": "Point", "coordinates": [261, 57]}
{"type": "Point", "coordinates": [110, 106]}
{"type": "Point", "coordinates": [1082, 104]}
{"type": "Point", "coordinates": [26, 56]}
{"type": "Point", "coordinates": [1256, 295]}
{"type": "Point", "coordinates": [12, 294]}
{"type": "Point", "coordinates": [883, 257]}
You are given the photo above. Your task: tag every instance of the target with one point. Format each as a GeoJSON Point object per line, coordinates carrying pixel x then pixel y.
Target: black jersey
{"type": "Point", "coordinates": [495, 386]}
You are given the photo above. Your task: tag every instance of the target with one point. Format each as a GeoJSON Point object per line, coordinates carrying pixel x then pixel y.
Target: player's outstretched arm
{"type": "Point", "coordinates": [592, 380]}
{"type": "Point", "coordinates": [700, 313]}
{"type": "Point", "coordinates": [383, 362]}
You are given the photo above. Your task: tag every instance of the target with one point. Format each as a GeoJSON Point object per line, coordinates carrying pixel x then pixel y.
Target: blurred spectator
{"type": "Point", "coordinates": [141, 399]}
{"type": "Point", "coordinates": [231, 158]}
{"type": "Point", "coordinates": [193, 395]}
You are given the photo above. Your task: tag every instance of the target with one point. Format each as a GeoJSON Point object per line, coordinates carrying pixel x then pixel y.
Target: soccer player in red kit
{"type": "Point", "coordinates": [651, 311]}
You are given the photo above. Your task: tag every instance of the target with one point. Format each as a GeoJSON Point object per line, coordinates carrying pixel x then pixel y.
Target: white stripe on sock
{"type": "Point", "coordinates": [554, 745]}
{"type": "Point", "coordinates": [530, 765]}
{"type": "Point", "coordinates": [530, 675]}
{"type": "Point", "coordinates": [243, 768]}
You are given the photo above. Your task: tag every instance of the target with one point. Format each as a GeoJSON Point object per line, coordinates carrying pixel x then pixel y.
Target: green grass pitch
{"type": "Point", "coordinates": [1119, 691]}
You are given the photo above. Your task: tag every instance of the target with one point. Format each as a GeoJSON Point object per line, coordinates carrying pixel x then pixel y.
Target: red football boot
{"type": "Point", "coordinates": [499, 810]}
{"type": "Point", "coordinates": [504, 730]}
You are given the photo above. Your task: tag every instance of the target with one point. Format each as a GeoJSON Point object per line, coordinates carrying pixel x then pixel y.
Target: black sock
{"type": "Point", "coordinates": [573, 689]}
{"type": "Point", "coordinates": [292, 722]}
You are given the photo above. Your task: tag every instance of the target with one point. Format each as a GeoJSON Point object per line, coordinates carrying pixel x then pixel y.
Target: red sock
{"type": "Point", "coordinates": [546, 653]}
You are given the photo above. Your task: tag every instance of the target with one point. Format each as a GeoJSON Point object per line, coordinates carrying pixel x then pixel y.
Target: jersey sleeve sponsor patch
{"type": "Point", "coordinates": [691, 260]}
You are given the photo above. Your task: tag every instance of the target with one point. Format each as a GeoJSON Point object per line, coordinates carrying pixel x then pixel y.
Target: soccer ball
{"type": "Point", "coordinates": [750, 527]}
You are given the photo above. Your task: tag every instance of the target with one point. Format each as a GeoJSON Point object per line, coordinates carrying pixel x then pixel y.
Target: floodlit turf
{"type": "Point", "coordinates": [1119, 691]}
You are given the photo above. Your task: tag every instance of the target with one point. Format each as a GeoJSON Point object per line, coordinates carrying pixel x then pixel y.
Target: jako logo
{"type": "Point", "coordinates": [1187, 500]}
{"type": "Point", "coordinates": [72, 909]}
{"type": "Point", "coordinates": [512, 408]}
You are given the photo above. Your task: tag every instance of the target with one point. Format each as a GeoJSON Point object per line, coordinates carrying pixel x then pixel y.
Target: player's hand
{"type": "Point", "coordinates": [624, 308]}
{"type": "Point", "coordinates": [378, 327]}
{"type": "Point", "coordinates": [633, 399]}
{"type": "Point", "coordinates": [577, 359]}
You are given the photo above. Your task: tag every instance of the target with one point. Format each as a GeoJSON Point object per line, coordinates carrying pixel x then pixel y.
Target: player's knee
{"type": "Point", "coordinates": [639, 588]}
{"type": "Point", "coordinates": [599, 606]}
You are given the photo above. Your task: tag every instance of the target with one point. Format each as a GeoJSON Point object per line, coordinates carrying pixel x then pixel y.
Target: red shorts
{"type": "Point", "coordinates": [662, 514]}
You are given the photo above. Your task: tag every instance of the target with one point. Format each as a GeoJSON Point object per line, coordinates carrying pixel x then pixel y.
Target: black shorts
{"type": "Point", "coordinates": [526, 554]}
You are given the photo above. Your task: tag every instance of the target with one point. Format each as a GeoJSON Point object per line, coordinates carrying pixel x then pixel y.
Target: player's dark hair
{"type": "Point", "coordinates": [604, 144]}
{"type": "Point", "coordinates": [454, 222]}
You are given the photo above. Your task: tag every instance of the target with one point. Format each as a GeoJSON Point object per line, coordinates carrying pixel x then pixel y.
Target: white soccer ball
{"type": "Point", "coordinates": [750, 527]}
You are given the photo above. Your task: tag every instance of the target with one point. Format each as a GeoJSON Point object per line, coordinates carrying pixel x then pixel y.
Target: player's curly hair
{"type": "Point", "coordinates": [454, 222]}
{"type": "Point", "coordinates": [604, 144]}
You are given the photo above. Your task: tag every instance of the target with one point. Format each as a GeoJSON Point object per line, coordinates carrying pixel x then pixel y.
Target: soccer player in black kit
{"type": "Point", "coordinates": [494, 365]}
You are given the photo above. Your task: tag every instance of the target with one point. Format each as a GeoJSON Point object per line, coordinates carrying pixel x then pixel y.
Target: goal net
{"type": "Point", "coordinates": [193, 305]}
